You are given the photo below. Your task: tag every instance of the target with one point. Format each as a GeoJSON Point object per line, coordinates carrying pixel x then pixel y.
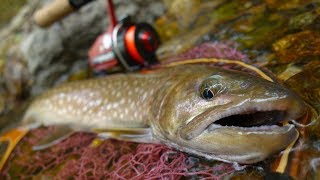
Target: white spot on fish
{"type": "Point", "coordinates": [144, 96]}
{"type": "Point", "coordinates": [62, 111]}
{"type": "Point", "coordinates": [135, 82]}
{"type": "Point", "coordinates": [60, 101]}
{"type": "Point", "coordinates": [122, 101]}
{"type": "Point", "coordinates": [115, 114]}
{"type": "Point", "coordinates": [84, 108]}
{"type": "Point", "coordinates": [100, 114]}
{"type": "Point", "coordinates": [108, 107]}
{"type": "Point", "coordinates": [91, 104]}
{"type": "Point", "coordinates": [135, 115]}
{"type": "Point", "coordinates": [115, 105]}
{"type": "Point", "coordinates": [126, 111]}
{"type": "Point", "coordinates": [113, 93]}
{"type": "Point", "coordinates": [69, 108]}
{"type": "Point", "coordinates": [136, 90]}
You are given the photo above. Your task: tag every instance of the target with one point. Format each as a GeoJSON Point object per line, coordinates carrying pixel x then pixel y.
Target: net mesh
{"type": "Point", "coordinates": [82, 156]}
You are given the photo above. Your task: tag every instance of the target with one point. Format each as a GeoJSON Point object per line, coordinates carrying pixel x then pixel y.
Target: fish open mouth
{"type": "Point", "coordinates": [254, 119]}
{"type": "Point", "coordinates": [258, 118]}
{"type": "Point", "coordinates": [272, 121]}
{"type": "Point", "coordinates": [247, 119]}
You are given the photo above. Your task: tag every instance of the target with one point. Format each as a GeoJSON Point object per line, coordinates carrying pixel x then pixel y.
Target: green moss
{"type": "Point", "coordinates": [230, 10]}
{"type": "Point", "coordinates": [266, 29]}
{"type": "Point", "coordinates": [226, 11]}
{"type": "Point", "coordinates": [302, 20]}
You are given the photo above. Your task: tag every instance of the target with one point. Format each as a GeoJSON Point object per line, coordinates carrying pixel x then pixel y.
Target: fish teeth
{"type": "Point", "coordinates": [255, 128]}
{"type": "Point", "coordinates": [214, 126]}
{"type": "Point", "coordinates": [266, 129]}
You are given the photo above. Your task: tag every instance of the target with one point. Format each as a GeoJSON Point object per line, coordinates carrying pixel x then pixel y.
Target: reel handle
{"type": "Point", "coordinates": [57, 10]}
{"type": "Point", "coordinates": [52, 12]}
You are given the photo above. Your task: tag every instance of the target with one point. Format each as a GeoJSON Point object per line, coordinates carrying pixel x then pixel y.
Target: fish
{"type": "Point", "coordinates": [206, 111]}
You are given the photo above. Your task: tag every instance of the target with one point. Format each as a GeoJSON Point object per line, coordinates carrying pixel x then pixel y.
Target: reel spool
{"type": "Point", "coordinates": [130, 45]}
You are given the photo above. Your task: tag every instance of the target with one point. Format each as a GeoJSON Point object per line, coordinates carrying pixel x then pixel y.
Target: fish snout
{"type": "Point", "coordinates": [273, 96]}
{"type": "Point", "coordinates": [293, 104]}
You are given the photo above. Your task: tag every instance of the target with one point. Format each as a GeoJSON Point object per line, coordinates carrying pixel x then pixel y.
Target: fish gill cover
{"type": "Point", "coordinates": [81, 156]}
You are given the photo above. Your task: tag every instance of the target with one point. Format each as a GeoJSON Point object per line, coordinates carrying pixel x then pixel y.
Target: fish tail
{"type": "Point", "coordinates": [8, 142]}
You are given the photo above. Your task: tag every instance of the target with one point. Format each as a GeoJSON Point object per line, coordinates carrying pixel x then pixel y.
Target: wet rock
{"type": "Point", "coordinates": [16, 74]}
{"type": "Point", "coordinates": [176, 22]}
{"type": "Point", "coordinates": [50, 52]}
{"type": "Point", "coordinates": [294, 47]}
{"type": "Point", "coordinates": [307, 84]}
{"type": "Point", "coordinates": [248, 173]}
{"type": "Point", "coordinates": [303, 20]}
{"type": "Point", "coordinates": [286, 4]}
{"type": "Point", "coordinates": [290, 71]}
{"type": "Point", "coordinates": [261, 30]}
{"type": "Point", "coordinates": [178, 9]}
{"type": "Point", "coordinates": [181, 43]}
{"type": "Point", "coordinates": [15, 79]}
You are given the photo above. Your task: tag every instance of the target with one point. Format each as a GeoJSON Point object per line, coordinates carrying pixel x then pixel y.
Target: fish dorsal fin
{"type": "Point", "coordinates": [141, 135]}
{"type": "Point", "coordinates": [8, 142]}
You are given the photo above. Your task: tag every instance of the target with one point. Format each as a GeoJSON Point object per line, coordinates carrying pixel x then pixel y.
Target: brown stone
{"type": "Point", "coordinates": [295, 47]}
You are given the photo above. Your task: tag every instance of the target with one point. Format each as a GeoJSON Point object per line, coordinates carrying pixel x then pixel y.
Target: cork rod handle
{"type": "Point", "coordinates": [52, 12]}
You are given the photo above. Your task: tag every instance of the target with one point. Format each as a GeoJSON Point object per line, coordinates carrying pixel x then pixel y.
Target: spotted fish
{"type": "Point", "coordinates": [206, 111]}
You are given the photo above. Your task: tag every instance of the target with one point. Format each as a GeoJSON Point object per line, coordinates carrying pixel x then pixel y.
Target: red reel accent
{"type": "Point", "coordinates": [101, 56]}
{"type": "Point", "coordinates": [147, 38]}
{"type": "Point", "coordinates": [131, 45]}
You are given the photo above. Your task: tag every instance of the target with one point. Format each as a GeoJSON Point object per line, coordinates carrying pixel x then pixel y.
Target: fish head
{"type": "Point", "coordinates": [228, 115]}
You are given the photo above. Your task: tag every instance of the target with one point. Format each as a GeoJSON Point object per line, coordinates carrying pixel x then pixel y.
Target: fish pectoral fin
{"type": "Point", "coordinates": [59, 134]}
{"type": "Point", "coordinates": [140, 135]}
{"type": "Point", "coordinates": [8, 142]}
{"type": "Point", "coordinates": [139, 138]}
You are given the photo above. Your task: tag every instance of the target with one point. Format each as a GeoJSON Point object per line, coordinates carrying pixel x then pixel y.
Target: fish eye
{"type": "Point", "coordinates": [207, 94]}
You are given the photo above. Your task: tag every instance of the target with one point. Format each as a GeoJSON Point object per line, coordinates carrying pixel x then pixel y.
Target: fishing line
{"type": "Point", "coordinates": [227, 61]}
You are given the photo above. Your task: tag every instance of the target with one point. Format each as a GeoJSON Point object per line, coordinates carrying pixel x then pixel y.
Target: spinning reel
{"type": "Point", "coordinates": [131, 45]}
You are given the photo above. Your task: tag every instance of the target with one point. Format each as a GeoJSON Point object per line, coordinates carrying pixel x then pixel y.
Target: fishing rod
{"type": "Point", "coordinates": [125, 43]}
{"type": "Point", "coordinates": [57, 10]}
